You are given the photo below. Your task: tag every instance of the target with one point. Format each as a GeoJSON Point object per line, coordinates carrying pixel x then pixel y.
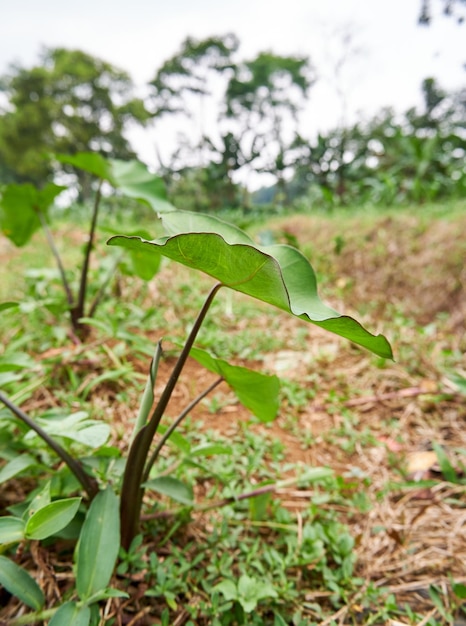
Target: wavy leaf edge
{"type": "Point", "coordinates": [384, 350]}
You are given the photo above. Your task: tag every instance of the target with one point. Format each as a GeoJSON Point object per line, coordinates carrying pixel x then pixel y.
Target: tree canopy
{"type": "Point", "coordinates": [256, 103]}
{"type": "Point", "coordinates": [238, 117]}
{"type": "Point", "coordinates": [189, 71]}
{"type": "Point", "coordinates": [68, 103]}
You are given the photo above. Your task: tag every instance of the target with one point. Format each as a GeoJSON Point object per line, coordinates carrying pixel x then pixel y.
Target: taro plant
{"type": "Point", "coordinates": [278, 275]}
{"type": "Point", "coordinates": [24, 209]}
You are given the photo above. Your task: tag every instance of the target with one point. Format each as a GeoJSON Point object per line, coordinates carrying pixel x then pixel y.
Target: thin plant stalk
{"type": "Point", "coordinates": [56, 254]}
{"type": "Point", "coordinates": [33, 618]}
{"type": "Point", "coordinates": [88, 483]}
{"type": "Point", "coordinates": [176, 423]}
{"type": "Point", "coordinates": [103, 287]}
{"type": "Point", "coordinates": [132, 491]}
{"type": "Point", "coordinates": [77, 307]}
{"type": "Point", "coordinates": [78, 310]}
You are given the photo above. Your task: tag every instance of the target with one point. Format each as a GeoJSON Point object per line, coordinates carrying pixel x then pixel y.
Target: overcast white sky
{"type": "Point", "coordinates": [395, 54]}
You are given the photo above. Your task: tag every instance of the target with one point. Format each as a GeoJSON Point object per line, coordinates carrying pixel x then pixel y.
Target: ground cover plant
{"type": "Point", "coordinates": [286, 554]}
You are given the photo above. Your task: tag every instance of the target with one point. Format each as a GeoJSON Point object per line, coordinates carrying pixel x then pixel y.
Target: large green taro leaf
{"type": "Point", "coordinates": [20, 205]}
{"type": "Point", "coordinates": [145, 265]}
{"type": "Point", "coordinates": [131, 177]}
{"type": "Point", "coordinates": [91, 162]}
{"type": "Point", "coordinates": [279, 275]}
{"type": "Point", "coordinates": [134, 180]}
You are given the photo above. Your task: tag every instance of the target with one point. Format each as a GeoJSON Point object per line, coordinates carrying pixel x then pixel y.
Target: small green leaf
{"type": "Point", "coordinates": [278, 620]}
{"type": "Point", "coordinates": [76, 427]}
{"type": "Point", "coordinates": [176, 439]}
{"type": "Point", "coordinates": [11, 529]}
{"type": "Point", "coordinates": [135, 181]}
{"type": "Point", "coordinates": [20, 584]}
{"type": "Point", "coordinates": [459, 589]}
{"type": "Point", "coordinates": [248, 592]}
{"type": "Point", "coordinates": [109, 592]}
{"type": "Point", "coordinates": [70, 614]}
{"type": "Point", "coordinates": [8, 305]}
{"type": "Point", "coordinates": [447, 469]}
{"type": "Point", "coordinates": [15, 361]}
{"type": "Point", "coordinates": [19, 205]}
{"type": "Point", "coordinates": [91, 162]}
{"type": "Point", "coordinates": [16, 466]}
{"type": "Point", "coordinates": [258, 506]}
{"type": "Point", "coordinates": [41, 499]}
{"type": "Point", "coordinates": [109, 375]}
{"type": "Point", "coordinates": [170, 599]}
{"type": "Point", "coordinates": [228, 589]}
{"type": "Point", "coordinates": [209, 449]}
{"type": "Point", "coordinates": [139, 262]}
{"type": "Point", "coordinates": [434, 595]}
{"type": "Point", "coordinates": [252, 590]}
{"type": "Point", "coordinates": [310, 475]}
{"type": "Point", "coordinates": [51, 518]}
{"type": "Point", "coordinates": [256, 391]}
{"type": "Point", "coordinates": [459, 381]}
{"type": "Point", "coordinates": [98, 545]}
{"type": "Point", "coordinates": [9, 377]}
{"type": "Point", "coordinates": [173, 488]}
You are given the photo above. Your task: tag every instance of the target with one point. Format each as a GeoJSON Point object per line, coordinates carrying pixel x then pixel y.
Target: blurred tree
{"type": "Point", "coordinates": [224, 159]}
{"type": "Point", "coordinates": [332, 163]}
{"type": "Point", "coordinates": [256, 106]}
{"type": "Point", "coordinates": [190, 72]}
{"type": "Point", "coordinates": [70, 102]}
{"type": "Point", "coordinates": [263, 100]}
{"type": "Point", "coordinates": [188, 85]}
{"type": "Point", "coordinates": [206, 187]}
{"type": "Point", "coordinates": [433, 97]}
{"type": "Point", "coordinates": [414, 157]}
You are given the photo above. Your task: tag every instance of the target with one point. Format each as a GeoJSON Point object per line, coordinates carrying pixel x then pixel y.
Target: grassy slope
{"type": "Point", "coordinates": [402, 273]}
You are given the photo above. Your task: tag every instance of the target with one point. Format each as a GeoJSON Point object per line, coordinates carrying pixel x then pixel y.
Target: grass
{"type": "Point", "coordinates": [381, 538]}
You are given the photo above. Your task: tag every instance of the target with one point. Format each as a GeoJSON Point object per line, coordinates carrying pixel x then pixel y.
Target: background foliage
{"type": "Point", "coordinates": [71, 102]}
